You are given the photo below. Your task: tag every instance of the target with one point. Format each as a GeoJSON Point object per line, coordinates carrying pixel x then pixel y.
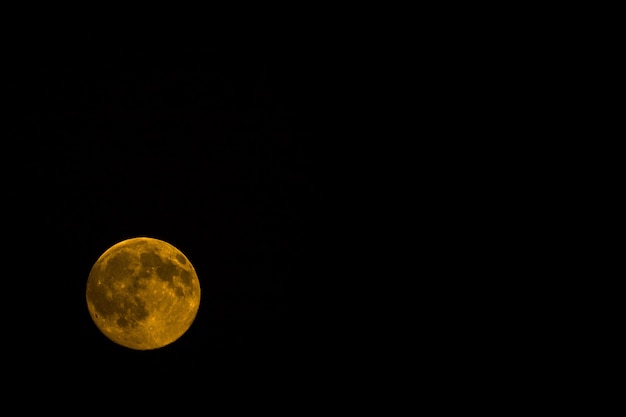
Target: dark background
{"type": "Point", "coordinates": [218, 159]}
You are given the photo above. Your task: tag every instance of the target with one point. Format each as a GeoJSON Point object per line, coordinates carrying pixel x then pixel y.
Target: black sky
{"type": "Point", "coordinates": [215, 159]}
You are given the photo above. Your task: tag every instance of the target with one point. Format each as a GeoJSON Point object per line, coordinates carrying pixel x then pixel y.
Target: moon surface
{"type": "Point", "coordinates": [143, 293]}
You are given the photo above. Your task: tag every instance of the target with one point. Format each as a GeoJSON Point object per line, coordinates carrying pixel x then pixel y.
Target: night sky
{"type": "Point", "coordinates": [215, 159]}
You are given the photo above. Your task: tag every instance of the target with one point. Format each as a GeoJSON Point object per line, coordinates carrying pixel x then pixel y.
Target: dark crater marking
{"type": "Point", "coordinates": [117, 265]}
{"type": "Point", "coordinates": [129, 308]}
{"type": "Point", "coordinates": [166, 270]}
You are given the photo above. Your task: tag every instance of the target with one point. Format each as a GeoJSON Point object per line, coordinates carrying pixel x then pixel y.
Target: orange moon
{"type": "Point", "coordinates": [143, 293]}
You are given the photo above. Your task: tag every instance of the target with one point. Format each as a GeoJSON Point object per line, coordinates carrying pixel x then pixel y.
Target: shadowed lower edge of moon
{"type": "Point", "coordinates": [143, 293]}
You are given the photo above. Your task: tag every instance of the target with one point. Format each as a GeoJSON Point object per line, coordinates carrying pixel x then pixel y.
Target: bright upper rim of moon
{"type": "Point", "coordinates": [143, 293]}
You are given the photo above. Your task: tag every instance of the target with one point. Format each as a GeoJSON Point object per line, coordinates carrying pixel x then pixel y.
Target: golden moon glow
{"type": "Point", "coordinates": [143, 293]}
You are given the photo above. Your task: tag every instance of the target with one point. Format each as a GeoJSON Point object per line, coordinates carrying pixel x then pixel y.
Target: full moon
{"type": "Point", "coordinates": [143, 293]}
